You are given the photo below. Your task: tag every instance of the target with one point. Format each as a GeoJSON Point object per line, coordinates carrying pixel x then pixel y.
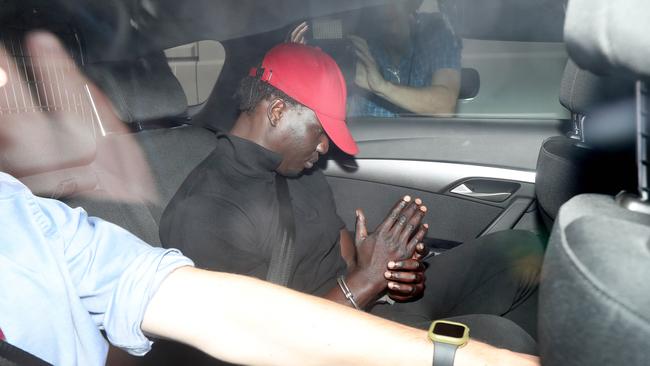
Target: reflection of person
{"type": "Point", "coordinates": [64, 275]}
{"type": "Point", "coordinates": [225, 214]}
{"type": "Point", "coordinates": [409, 62]}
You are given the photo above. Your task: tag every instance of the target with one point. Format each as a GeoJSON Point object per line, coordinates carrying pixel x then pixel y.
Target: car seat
{"type": "Point", "coordinates": [594, 294]}
{"type": "Point", "coordinates": [574, 164]}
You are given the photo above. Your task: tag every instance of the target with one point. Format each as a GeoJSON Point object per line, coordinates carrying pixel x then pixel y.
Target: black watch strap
{"type": "Point", "coordinates": [443, 354]}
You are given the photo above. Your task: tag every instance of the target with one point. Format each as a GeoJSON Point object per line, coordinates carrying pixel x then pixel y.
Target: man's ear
{"type": "Point", "coordinates": [276, 111]}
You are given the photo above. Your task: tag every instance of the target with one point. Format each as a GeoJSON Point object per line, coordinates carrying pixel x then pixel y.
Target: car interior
{"type": "Point", "coordinates": [551, 124]}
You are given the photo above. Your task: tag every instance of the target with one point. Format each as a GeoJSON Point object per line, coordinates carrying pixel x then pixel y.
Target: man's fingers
{"type": "Point", "coordinates": [365, 56]}
{"type": "Point", "coordinates": [298, 34]}
{"type": "Point", "coordinates": [394, 213]}
{"type": "Point", "coordinates": [417, 239]}
{"type": "Point", "coordinates": [407, 223]}
{"type": "Point", "coordinates": [296, 31]}
{"type": "Point", "coordinates": [363, 51]}
{"type": "Point", "coordinates": [409, 290]}
{"type": "Point", "coordinates": [405, 292]}
{"type": "Point", "coordinates": [361, 232]}
{"type": "Point", "coordinates": [412, 224]}
{"type": "Point", "coordinates": [60, 84]}
{"type": "Point", "coordinates": [405, 265]}
{"type": "Point", "coordinates": [364, 59]}
{"type": "Point", "coordinates": [421, 251]}
{"type": "Point", "coordinates": [404, 277]}
{"type": "Point", "coordinates": [360, 44]}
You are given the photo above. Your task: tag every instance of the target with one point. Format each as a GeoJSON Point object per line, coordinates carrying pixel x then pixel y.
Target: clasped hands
{"type": "Point", "coordinates": [393, 252]}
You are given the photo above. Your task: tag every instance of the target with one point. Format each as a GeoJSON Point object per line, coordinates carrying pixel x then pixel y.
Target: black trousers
{"type": "Point", "coordinates": [497, 274]}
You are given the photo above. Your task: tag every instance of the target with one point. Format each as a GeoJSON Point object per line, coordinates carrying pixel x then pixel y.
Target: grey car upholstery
{"type": "Point", "coordinates": [594, 298]}
{"type": "Point", "coordinates": [581, 90]}
{"type": "Point", "coordinates": [145, 91]}
{"type": "Point", "coordinates": [606, 36]}
{"type": "Point", "coordinates": [141, 90]}
{"type": "Point", "coordinates": [567, 166]}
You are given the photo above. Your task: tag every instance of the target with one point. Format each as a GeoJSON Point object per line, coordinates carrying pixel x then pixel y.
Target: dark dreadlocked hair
{"type": "Point", "coordinates": [252, 90]}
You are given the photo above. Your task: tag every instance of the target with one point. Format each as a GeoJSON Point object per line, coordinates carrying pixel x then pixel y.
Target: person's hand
{"type": "Point", "coordinates": [367, 74]}
{"type": "Point", "coordinates": [297, 35]}
{"type": "Point", "coordinates": [394, 240]}
{"type": "Point", "coordinates": [60, 114]}
{"type": "Point", "coordinates": [406, 278]}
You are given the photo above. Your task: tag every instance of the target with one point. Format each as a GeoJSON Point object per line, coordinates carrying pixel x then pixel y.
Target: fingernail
{"type": "Point", "coordinates": [392, 285]}
{"type": "Point", "coordinates": [407, 198]}
{"type": "Point", "coordinates": [418, 201]}
{"type": "Point", "coordinates": [423, 208]}
{"type": "Point", "coordinates": [426, 226]}
{"type": "Point", "coordinates": [420, 246]}
{"type": "Point", "coordinates": [391, 264]}
{"type": "Point", "coordinates": [387, 274]}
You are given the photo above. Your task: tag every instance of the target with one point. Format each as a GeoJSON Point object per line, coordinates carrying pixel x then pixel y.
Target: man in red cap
{"type": "Point", "coordinates": [256, 206]}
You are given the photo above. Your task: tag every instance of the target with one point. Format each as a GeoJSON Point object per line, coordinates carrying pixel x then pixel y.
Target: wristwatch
{"type": "Point", "coordinates": [447, 337]}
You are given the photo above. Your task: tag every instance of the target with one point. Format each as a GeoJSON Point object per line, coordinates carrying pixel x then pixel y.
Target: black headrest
{"type": "Point", "coordinates": [581, 90]}
{"type": "Point", "coordinates": [594, 303]}
{"type": "Point", "coordinates": [141, 90]}
{"type": "Point", "coordinates": [566, 168]}
{"type": "Point", "coordinates": [604, 35]}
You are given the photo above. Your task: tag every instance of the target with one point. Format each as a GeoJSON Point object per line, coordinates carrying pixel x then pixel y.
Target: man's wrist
{"type": "Point", "coordinates": [384, 88]}
{"type": "Point", "coordinates": [366, 290]}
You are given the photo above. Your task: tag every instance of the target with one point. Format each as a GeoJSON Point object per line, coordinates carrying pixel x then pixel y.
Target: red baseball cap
{"type": "Point", "coordinates": [312, 78]}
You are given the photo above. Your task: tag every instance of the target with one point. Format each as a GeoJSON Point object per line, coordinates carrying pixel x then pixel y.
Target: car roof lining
{"type": "Point", "coordinates": [124, 29]}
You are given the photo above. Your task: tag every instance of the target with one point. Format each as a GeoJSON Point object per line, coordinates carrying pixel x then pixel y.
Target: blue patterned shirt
{"type": "Point", "coordinates": [66, 275]}
{"type": "Point", "coordinates": [434, 46]}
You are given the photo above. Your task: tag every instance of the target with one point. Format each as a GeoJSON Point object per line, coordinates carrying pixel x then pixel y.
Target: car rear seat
{"type": "Point", "coordinates": [149, 99]}
{"type": "Point", "coordinates": [595, 303]}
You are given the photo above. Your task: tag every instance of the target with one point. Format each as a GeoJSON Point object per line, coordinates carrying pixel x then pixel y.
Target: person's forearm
{"type": "Point", "coordinates": [430, 100]}
{"type": "Point", "coordinates": [248, 321]}
{"type": "Point", "coordinates": [244, 320]}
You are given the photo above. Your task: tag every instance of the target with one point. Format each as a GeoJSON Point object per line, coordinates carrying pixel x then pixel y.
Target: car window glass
{"type": "Point", "coordinates": [424, 67]}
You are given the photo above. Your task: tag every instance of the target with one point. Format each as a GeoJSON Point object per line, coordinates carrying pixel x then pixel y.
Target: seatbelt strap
{"type": "Point", "coordinates": [281, 266]}
{"type": "Point", "coordinates": [11, 355]}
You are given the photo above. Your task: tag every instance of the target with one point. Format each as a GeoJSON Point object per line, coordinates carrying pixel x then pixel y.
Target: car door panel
{"type": "Point", "coordinates": [457, 166]}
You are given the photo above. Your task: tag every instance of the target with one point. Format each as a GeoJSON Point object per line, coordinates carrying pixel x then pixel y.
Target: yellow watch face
{"type": "Point", "coordinates": [449, 332]}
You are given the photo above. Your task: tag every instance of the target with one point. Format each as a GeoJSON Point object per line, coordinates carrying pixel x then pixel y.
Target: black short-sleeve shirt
{"type": "Point", "coordinates": [225, 217]}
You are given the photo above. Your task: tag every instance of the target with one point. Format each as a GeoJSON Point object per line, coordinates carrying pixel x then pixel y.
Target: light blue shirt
{"type": "Point", "coordinates": [64, 276]}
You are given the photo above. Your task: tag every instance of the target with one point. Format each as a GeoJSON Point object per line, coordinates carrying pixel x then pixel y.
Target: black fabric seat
{"type": "Point", "coordinates": [594, 294]}
{"type": "Point", "coordinates": [568, 166]}
{"type": "Point", "coordinates": [144, 92]}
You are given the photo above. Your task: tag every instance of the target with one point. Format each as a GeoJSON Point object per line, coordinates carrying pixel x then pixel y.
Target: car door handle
{"type": "Point", "coordinates": [464, 190]}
